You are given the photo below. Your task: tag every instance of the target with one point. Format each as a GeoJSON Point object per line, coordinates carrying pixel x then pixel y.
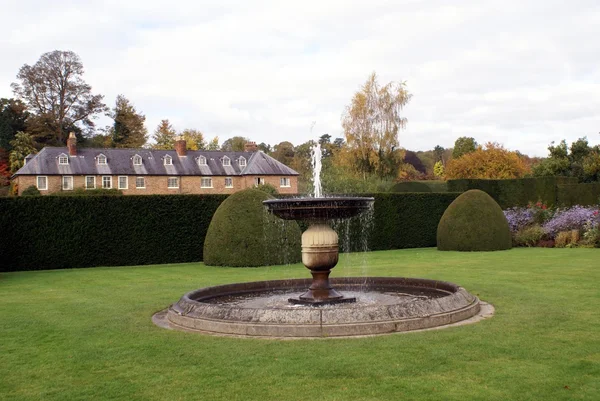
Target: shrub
{"type": "Point", "coordinates": [242, 233]}
{"type": "Point", "coordinates": [529, 236]}
{"type": "Point", "coordinates": [562, 239]}
{"type": "Point", "coordinates": [410, 186]}
{"type": "Point", "coordinates": [473, 222]}
{"type": "Point", "coordinates": [31, 191]}
{"type": "Point", "coordinates": [267, 188]}
{"type": "Point", "coordinates": [578, 194]}
{"type": "Point", "coordinates": [591, 231]}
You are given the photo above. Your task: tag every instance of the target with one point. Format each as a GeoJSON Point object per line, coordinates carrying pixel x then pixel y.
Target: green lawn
{"type": "Point", "coordinates": [86, 334]}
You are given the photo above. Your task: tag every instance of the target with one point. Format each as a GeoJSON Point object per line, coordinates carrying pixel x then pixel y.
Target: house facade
{"type": "Point", "coordinates": [152, 172]}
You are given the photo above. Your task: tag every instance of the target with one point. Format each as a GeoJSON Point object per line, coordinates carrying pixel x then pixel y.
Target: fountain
{"type": "Point", "coordinates": [286, 308]}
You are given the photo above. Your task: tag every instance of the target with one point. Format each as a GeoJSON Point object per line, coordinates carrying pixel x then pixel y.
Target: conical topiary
{"type": "Point", "coordinates": [242, 233]}
{"type": "Point", "coordinates": [473, 222]}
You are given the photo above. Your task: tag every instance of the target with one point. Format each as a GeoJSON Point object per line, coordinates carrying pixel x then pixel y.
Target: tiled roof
{"type": "Point", "coordinates": [120, 162]}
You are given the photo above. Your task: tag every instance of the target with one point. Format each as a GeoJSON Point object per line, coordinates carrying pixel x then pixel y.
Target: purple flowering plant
{"type": "Point", "coordinates": [573, 218]}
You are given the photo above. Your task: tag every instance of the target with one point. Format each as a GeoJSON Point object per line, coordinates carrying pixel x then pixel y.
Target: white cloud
{"type": "Point", "coordinates": [520, 73]}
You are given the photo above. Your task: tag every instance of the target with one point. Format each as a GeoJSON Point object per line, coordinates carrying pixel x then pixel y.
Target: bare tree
{"type": "Point", "coordinates": [55, 91]}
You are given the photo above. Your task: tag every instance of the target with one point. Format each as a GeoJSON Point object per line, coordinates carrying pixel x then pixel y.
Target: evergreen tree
{"type": "Point", "coordinates": [128, 130]}
{"type": "Point", "coordinates": [22, 145]}
{"type": "Point", "coordinates": [463, 146]}
{"type": "Point", "coordinates": [164, 136]}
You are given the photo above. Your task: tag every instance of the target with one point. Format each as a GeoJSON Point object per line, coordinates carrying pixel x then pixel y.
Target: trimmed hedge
{"type": "Point", "coordinates": [420, 186]}
{"type": "Point", "coordinates": [515, 192]}
{"type": "Point", "coordinates": [242, 233]}
{"type": "Point", "coordinates": [578, 194]}
{"type": "Point", "coordinates": [52, 232]}
{"type": "Point", "coordinates": [406, 220]}
{"type": "Point", "coordinates": [473, 222]}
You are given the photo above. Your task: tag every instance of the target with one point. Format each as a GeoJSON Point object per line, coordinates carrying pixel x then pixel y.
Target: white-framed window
{"type": "Point", "coordinates": [140, 182]}
{"type": "Point", "coordinates": [259, 181]}
{"type": "Point", "coordinates": [206, 182]}
{"type": "Point", "coordinates": [168, 160]}
{"type": "Point", "coordinates": [137, 160]}
{"type": "Point", "coordinates": [42, 182]}
{"type": "Point", "coordinates": [284, 182]}
{"type": "Point", "coordinates": [226, 161]}
{"type": "Point", "coordinates": [67, 182]}
{"type": "Point", "coordinates": [173, 182]}
{"type": "Point", "coordinates": [90, 182]}
{"type": "Point", "coordinates": [123, 182]}
{"type": "Point", "coordinates": [63, 159]}
{"type": "Point", "coordinates": [101, 160]}
{"type": "Point", "coordinates": [242, 161]}
{"type": "Point", "coordinates": [228, 182]}
{"type": "Point", "coordinates": [202, 161]}
{"type": "Point", "coordinates": [107, 181]}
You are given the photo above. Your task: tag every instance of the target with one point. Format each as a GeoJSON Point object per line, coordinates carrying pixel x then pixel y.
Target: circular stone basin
{"type": "Point", "coordinates": [318, 208]}
{"type": "Point", "coordinates": [261, 309]}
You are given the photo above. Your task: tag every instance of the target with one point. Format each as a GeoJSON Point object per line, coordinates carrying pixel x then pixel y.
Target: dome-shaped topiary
{"type": "Point", "coordinates": [473, 222]}
{"type": "Point", "coordinates": [242, 233]}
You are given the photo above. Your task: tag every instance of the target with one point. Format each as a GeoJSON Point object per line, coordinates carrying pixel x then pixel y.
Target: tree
{"type": "Point", "coordinates": [13, 118]}
{"type": "Point", "coordinates": [463, 146]}
{"type": "Point", "coordinates": [4, 168]}
{"type": "Point", "coordinates": [164, 136]}
{"type": "Point", "coordinates": [128, 130]}
{"type": "Point", "coordinates": [438, 153]}
{"type": "Point", "coordinates": [213, 144]}
{"type": "Point", "coordinates": [579, 160]}
{"type": "Point", "coordinates": [284, 152]}
{"type": "Point", "coordinates": [371, 123]}
{"type": "Point", "coordinates": [54, 89]}
{"type": "Point", "coordinates": [234, 144]}
{"type": "Point", "coordinates": [194, 139]}
{"type": "Point", "coordinates": [266, 148]}
{"type": "Point", "coordinates": [491, 162]}
{"type": "Point", "coordinates": [22, 146]}
{"type": "Point", "coordinates": [438, 169]}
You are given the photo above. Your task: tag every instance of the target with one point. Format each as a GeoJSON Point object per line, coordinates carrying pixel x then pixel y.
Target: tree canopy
{"type": "Point", "coordinates": [492, 162]}
{"type": "Point", "coordinates": [128, 130]}
{"type": "Point", "coordinates": [371, 124]}
{"type": "Point", "coordinates": [463, 146]}
{"type": "Point", "coordinates": [54, 89]}
{"type": "Point", "coordinates": [164, 136]}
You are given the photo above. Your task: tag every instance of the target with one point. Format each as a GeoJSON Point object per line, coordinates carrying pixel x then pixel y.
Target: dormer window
{"type": "Point", "coordinates": [63, 159]}
{"type": "Point", "coordinates": [101, 160]}
{"type": "Point", "coordinates": [137, 160]}
{"type": "Point", "coordinates": [226, 161]}
{"type": "Point", "coordinates": [168, 160]}
{"type": "Point", "coordinates": [202, 161]}
{"type": "Point", "coordinates": [242, 161]}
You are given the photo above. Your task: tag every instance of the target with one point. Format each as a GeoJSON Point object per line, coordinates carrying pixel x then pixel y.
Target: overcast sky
{"type": "Point", "coordinates": [522, 73]}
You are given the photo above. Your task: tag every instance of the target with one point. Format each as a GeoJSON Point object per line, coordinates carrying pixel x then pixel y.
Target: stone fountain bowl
{"type": "Point", "coordinates": [318, 209]}
{"type": "Point", "coordinates": [246, 309]}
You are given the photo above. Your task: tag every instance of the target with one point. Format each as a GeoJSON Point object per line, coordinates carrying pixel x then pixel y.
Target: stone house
{"type": "Point", "coordinates": [151, 172]}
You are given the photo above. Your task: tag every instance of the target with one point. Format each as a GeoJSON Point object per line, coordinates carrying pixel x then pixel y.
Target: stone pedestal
{"type": "Point", "coordinates": [320, 255]}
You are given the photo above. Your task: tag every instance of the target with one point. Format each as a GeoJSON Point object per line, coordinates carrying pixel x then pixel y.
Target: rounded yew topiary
{"type": "Point", "coordinates": [473, 222]}
{"type": "Point", "coordinates": [242, 233]}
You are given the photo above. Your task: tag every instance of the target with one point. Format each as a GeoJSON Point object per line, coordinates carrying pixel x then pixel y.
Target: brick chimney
{"type": "Point", "coordinates": [250, 147]}
{"type": "Point", "coordinates": [72, 144]}
{"type": "Point", "coordinates": [180, 146]}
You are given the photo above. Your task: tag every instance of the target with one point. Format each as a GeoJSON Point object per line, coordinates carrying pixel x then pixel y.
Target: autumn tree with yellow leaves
{"type": "Point", "coordinates": [371, 124]}
{"type": "Point", "coordinates": [492, 162]}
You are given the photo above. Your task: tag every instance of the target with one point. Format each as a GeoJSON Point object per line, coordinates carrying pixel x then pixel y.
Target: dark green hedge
{"type": "Point", "coordinates": [515, 192]}
{"type": "Point", "coordinates": [579, 194]}
{"type": "Point", "coordinates": [53, 232]}
{"type": "Point", "coordinates": [420, 186]}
